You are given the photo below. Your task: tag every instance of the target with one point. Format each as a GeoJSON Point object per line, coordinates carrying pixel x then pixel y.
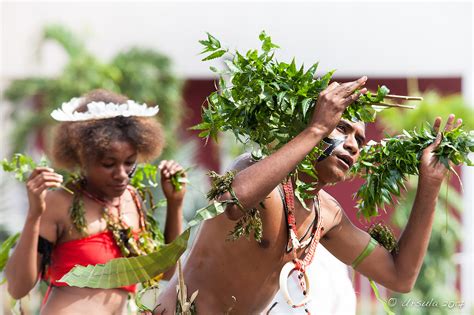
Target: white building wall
{"type": "Point", "coordinates": [374, 38]}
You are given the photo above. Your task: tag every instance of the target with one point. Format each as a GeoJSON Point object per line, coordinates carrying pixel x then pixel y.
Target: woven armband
{"type": "Point", "coordinates": [366, 252]}
{"type": "Point", "coordinates": [383, 234]}
{"type": "Point", "coordinates": [250, 221]}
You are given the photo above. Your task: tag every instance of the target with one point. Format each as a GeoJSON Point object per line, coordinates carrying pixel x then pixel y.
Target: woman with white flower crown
{"type": "Point", "coordinates": [103, 135]}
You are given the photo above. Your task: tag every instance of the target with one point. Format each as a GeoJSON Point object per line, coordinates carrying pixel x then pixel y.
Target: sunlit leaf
{"type": "Point", "coordinates": [127, 271]}
{"type": "Point", "coordinates": [5, 249]}
{"type": "Point", "coordinates": [208, 212]}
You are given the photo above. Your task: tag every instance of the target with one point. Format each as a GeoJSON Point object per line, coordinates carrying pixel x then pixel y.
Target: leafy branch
{"type": "Point", "coordinates": [214, 46]}
{"type": "Point", "coordinates": [385, 166]}
{"type": "Point", "coordinates": [22, 166]}
{"type": "Point", "coordinates": [145, 75]}
{"type": "Point", "coordinates": [268, 102]}
{"type": "Point", "coordinates": [146, 175]}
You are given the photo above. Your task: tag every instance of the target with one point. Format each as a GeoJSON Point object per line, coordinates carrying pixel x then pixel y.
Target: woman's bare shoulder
{"type": "Point", "coordinates": [58, 203]}
{"type": "Point", "coordinates": [58, 198]}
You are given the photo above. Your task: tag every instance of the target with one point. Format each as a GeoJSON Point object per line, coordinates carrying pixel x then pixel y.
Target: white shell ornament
{"type": "Point", "coordinates": [284, 274]}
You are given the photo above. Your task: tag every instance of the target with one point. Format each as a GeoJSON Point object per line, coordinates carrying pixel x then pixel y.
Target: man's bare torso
{"type": "Point", "coordinates": [244, 269]}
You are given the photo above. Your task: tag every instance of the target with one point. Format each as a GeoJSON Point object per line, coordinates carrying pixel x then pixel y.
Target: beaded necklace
{"type": "Point", "coordinates": [310, 247]}
{"type": "Point", "coordinates": [122, 232]}
{"type": "Point", "coordinates": [129, 242]}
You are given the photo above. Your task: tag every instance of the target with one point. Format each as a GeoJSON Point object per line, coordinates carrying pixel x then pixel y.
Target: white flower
{"type": "Point", "coordinates": [101, 110]}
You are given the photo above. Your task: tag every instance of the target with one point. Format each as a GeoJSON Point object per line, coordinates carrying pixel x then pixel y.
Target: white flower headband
{"type": "Point", "coordinates": [101, 110]}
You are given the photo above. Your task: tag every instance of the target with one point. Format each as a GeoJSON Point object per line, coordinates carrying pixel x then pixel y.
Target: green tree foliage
{"type": "Point", "coordinates": [143, 75]}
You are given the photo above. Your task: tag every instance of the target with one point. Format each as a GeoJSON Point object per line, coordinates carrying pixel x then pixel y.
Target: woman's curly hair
{"type": "Point", "coordinates": [74, 142]}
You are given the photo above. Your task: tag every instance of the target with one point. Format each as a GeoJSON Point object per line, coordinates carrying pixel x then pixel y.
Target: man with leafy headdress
{"type": "Point", "coordinates": [244, 275]}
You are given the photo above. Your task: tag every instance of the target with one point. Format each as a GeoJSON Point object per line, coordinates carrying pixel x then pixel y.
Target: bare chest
{"type": "Point", "coordinates": [95, 217]}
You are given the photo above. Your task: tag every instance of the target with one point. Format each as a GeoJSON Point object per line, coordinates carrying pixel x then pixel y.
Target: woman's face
{"type": "Point", "coordinates": [108, 176]}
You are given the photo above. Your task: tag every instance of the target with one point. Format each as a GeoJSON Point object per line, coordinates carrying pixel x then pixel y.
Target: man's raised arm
{"type": "Point", "coordinates": [254, 183]}
{"type": "Point", "coordinates": [397, 271]}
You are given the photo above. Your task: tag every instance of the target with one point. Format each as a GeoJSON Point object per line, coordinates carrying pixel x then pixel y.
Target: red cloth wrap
{"type": "Point", "coordinates": [95, 249]}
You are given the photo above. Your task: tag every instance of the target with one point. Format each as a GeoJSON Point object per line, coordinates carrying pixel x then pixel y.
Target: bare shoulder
{"type": "Point", "coordinates": [56, 214]}
{"type": "Point", "coordinates": [246, 160]}
{"type": "Point", "coordinates": [332, 212]}
{"type": "Point", "coordinates": [241, 162]}
{"type": "Point", "coordinates": [57, 200]}
{"type": "Point", "coordinates": [272, 200]}
{"type": "Point", "coordinates": [329, 200]}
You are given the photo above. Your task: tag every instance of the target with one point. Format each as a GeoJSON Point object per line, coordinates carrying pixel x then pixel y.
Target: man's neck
{"type": "Point", "coordinates": [317, 184]}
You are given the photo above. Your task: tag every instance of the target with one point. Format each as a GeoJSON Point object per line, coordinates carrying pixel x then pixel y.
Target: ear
{"type": "Point", "coordinates": [132, 172]}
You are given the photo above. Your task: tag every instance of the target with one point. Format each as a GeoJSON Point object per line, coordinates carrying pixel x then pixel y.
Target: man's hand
{"type": "Point", "coordinates": [169, 168]}
{"type": "Point", "coordinates": [332, 102]}
{"type": "Point", "coordinates": [430, 168]}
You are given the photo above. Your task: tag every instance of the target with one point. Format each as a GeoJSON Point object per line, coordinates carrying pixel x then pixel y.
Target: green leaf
{"type": "Point", "coordinates": [211, 44]}
{"type": "Point", "coordinates": [208, 212]}
{"type": "Point", "coordinates": [127, 271]}
{"type": "Point", "coordinates": [215, 55]}
{"type": "Point", "coordinates": [5, 249]}
{"type": "Point", "coordinates": [214, 41]}
{"type": "Point", "coordinates": [305, 105]}
{"type": "Point", "coordinates": [379, 298]}
{"type": "Point", "coordinates": [201, 126]}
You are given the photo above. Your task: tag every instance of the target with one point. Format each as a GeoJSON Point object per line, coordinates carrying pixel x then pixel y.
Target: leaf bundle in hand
{"type": "Point", "coordinates": [22, 166]}
{"type": "Point", "coordinates": [386, 165]}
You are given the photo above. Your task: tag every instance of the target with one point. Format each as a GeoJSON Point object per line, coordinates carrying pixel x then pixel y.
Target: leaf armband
{"type": "Point", "coordinates": [250, 221]}
{"type": "Point", "coordinates": [383, 234]}
{"type": "Point", "coordinates": [220, 184]}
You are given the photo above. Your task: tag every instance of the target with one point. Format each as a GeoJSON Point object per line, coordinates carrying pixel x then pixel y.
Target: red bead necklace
{"type": "Point", "coordinates": [300, 264]}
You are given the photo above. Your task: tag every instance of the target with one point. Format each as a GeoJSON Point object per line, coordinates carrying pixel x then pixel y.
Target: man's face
{"type": "Point", "coordinates": [335, 168]}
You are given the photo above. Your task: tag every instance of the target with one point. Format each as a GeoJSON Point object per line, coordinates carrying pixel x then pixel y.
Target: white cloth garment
{"type": "Point", "coordinates": [331, 288]}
